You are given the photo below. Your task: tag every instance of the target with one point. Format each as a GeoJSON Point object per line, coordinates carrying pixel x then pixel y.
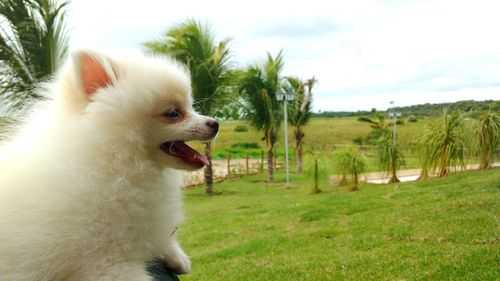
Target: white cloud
{"type": "Point", "coordinates": [364, 53]}
{"type": "Point", "coordinates": [381, 100]}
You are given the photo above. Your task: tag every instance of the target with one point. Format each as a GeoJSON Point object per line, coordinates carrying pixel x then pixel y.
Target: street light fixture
{"type": "Point", "coordinates": [286, 97]}
{"type": "Point", "coordinates": [394, 115]}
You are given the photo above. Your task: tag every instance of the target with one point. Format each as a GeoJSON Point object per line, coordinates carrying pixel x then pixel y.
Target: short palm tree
{"type": "Point", "coordinates": [351, 163]}
{"type": "Point", "coordinates": [388, 150]}
{"type": "Point", "coordinates": [193, 43]}
{"type": "Point", "coordinates": [389, 156]}
{"type": "Point", "coordinates": [316, 167]}
{"type": "Point", "coordinates": [442, 145]}
{"type": "Point", "coordinates": [258, 86]}
{"type": "Point", "coordinates": [489, 138]}
{"type": "Point", "coordinates": [33, 44]}
{"type": "Point", "coordinates": [299, 113]}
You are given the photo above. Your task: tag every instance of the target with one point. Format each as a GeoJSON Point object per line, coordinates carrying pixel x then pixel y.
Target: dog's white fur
{"type": "Point", "coordinates": [85, 191]}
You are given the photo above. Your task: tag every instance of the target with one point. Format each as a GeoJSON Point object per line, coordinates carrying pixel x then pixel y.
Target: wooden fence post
{"type": "Point", "coordinates": [246, 161]}
{"type": "Point", "coordinates": [228, 165]}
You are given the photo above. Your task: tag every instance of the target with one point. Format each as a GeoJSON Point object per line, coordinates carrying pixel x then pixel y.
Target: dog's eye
{"type": "Point", "coordinates": [174, 114]}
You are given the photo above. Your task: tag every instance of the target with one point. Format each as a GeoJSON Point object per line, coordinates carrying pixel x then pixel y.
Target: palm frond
{"type": "Point", "coordinates": [368, 120]}
{"type": "Point", "coordinates": [442, 144]}
{"type": "Point", "coordinates": [193, 43]}
{"type": "Point", "coordinates": [258, 86]}
{"type": "Point", "coordinates": [350, 163]}
{"type": "Point", "coordinates": [33, 44]}
{"type": "Point", "coordinates": [489, 138]}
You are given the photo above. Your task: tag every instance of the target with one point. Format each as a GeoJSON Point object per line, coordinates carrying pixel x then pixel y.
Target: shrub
{"type": "Point", "coordinates": [316, 168]}
{"type": "Point", "coordinates": [358, 140]}
{"type": "Point", "coordinates": [350, 163]}
{"type": "Point", "coordinates": [245, 145]}
{"type": "Point", "coordinates": [489, 138]}
{"type": "Point", "coordinates": [412, 118]}
{"type": "Point", "coordinates": [241, 128]}
{"type": "Point", "coordinates": [389, 156]}
{"type": "Point", "coordinates": [443, 144]}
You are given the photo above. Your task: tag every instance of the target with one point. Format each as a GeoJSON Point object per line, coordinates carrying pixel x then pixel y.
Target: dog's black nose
{"type": "Point", "coordinates": [214, 125]}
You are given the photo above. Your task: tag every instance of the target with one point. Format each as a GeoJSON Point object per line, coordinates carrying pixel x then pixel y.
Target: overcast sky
{"type": "Point", "coordinates": [363, 53]}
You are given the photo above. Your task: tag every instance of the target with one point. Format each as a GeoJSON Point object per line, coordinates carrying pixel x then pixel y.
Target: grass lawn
{"type": "Point", "coordinates": [320, 133]}
{"type": "Point", "coordinates": [446, 229]}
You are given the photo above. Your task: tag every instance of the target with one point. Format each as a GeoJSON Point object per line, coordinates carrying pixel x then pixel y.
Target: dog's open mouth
{"type": "Point", "coordinates": [184, 152]}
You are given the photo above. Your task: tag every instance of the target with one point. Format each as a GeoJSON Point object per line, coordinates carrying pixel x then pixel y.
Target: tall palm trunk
{"type": "Point", "coordinates": [208, 172]}
{"type": "Point", "coordinates": [394, 177]}
{"type": "Point", "coordinates": [270, 138]}
{"type": "Point", "coordinates": [299, 149]}
{"type": "Point", "coordinates": [270, 158]}
{"type": "Point", "coordinates": [394, 164]}
{"type": "Point", "coordinates": [299, 155]}
{"type": "Point", "coordinates": [356, 180]}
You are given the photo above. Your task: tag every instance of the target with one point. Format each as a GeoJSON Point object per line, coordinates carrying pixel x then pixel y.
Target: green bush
{"type": "Point", "coordinates": [245, 145]}
{"type": "Point", "coordinates": [350, 163]}
{"type": "Point", "coordinates": [237, 153]}
{"type": "Point", "coordinates": [412, 118]}
{"type": "Point", "coordinates": [241, 128]}
{"type": "Point", "coordinates": [359, 140]}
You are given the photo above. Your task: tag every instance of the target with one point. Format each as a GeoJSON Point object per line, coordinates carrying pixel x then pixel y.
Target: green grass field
{"type": "Point", "coordinates": [445, 229]}
{"type": "Point", "coordinates": [321, 133]}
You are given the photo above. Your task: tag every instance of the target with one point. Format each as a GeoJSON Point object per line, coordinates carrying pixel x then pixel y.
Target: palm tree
{"type": "Point", "coordinates": [352, 163]}
{"type": "Point", "coordinates": [193, 43]}
{"type": "Point", "coordinates": [299, 113]}
{"type": "Point", "coordinates": [379, 125]}
{"type": "Point", "coordinates": [389, 153]}
{"type": "Point", "coordinates": [316, 165]}
{"type": "Point", "coordinates": [33, 44]}
{"type": "Point", "coordinates": [489, 138]}
{"type": "Point", "coordinates": [258, 86]}
{"type": "Point", "coordinates": [442, 145]}
{"type": "Point", "coordinates": [389, 156]}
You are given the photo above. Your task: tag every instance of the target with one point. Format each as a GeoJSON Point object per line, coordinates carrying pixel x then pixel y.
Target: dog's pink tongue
{"type": "Point", "coordinates": [190, 155]}
{"type": "Point", "coordinates": [185, 152]}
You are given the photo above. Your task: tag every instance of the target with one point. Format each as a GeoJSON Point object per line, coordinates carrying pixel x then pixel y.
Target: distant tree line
{"type": "Point", "coordinates": [421, 110]}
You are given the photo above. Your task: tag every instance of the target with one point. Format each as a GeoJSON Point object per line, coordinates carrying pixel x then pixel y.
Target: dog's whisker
{"type": "Point", "coordinates": [170, 149]}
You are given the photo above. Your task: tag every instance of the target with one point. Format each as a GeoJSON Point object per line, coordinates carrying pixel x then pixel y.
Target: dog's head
{"type": "Point", "coordinates": [143, 100]}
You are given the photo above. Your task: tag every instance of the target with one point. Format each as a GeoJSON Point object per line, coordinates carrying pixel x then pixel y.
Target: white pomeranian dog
{"type": "Point", "coordinates": [90, 185]}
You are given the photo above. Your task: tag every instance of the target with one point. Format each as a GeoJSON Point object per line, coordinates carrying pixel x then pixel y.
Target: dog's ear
{"type": "Point", "coordinates": [93, 71]}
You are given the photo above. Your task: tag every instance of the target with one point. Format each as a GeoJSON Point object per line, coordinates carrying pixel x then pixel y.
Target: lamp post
{"type": "Point", "coordinates": [394, 115]}
{"type": "Point", "coordinates": [286, 97]}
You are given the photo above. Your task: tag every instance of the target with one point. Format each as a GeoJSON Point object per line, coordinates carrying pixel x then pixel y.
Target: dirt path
{"type": "Point", "coordinates": [237, 167]}
{"type": "Point", "coordinates": [403, 175]}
